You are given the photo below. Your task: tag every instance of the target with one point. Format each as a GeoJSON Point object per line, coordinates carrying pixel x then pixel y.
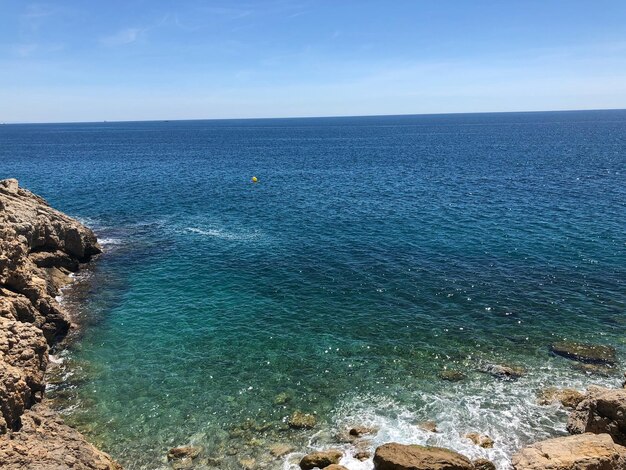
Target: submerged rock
{"type": "Point", "coordinates": [603, 410]}
{"type": "Point", "coordinates": [300, 420]}
{"type": "Point", "coordinates": [480, 440]}
{"type": "Point", "coordinates": [247, 463]}
{"type": "Point", "coordinates": [278, 450]}
{"type": "Point", "coordinates": [186, 452]}
{"type": "Point", "coordinates": [581, 452]}
{"type": "Point", "coordinates": [282, 398]}
{"type": "Point", "coordinates": [504, 372]}
{"type": "Point", "coordinates": [584, 352]}
{"type": "Point", "coordinates": [395, 456]}
{"type": "Point", "coordinates": [568, 397]}
{"type": "Point", "coordinates": [601, 370]}
{"type": "Point", "coordinates": [321, 459]}
{"type": "Point", "coordinates": [451, 375]}
{"type": "Point", "coordinates": [362, 455]}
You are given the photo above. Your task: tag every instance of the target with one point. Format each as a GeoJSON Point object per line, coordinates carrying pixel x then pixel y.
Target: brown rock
{"type": "Point", "coordinates": [451, 375]}
{"type": "Point", "coordinates": [359, 431]}
{"type": "Point", "coordinates": [483, 464]}
{"type": "Point", "coordinates": [247, 464]}
{"type": "Point", "coordinates": [581, 452]}
{"type": "Point", "coordinates": [278, 450]}
{"type": "Point", "coordinates": [38, 247]}
{"type": "Point", "coordinates": [336, 466]}
{"type": "Point", "coordinates": [568, 397]}
{"type": "Point", "coordinates": [44, 443]}
{"type": "Point", "coordinates": [503, 372]}
{"type": "Point", "coordinates": [300, 420]}
{"type": "Point", "coordinates": [584, 352]}
{"type": "Point", "coordinates": [185, 452]}
{"type": "Point", "coordinates": [321, 459]}
{"type": "Point", "coordinates": [601, 370]}
{"type": "Point", "coordinates": [480, 440]}
{"type": "Point", "coordinates": [602, 411]}
{"type": "Point", "coordinates": [415, 457]}
{"type": "Point", "coordinates": [429, 426]}
{"type": "Point", "coordinates": [362, 455]}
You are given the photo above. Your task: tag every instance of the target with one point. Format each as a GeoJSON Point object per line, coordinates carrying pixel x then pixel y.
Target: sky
{"type": "Point", "coordinates": [78, 60]}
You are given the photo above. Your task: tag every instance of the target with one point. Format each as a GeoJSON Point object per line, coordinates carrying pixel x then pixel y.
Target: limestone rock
{"type": "Point", "coordinates": [44, 442]}
{"type": "Point", "coordinates": [247, 464]}
{"type": "Point", "coordinates": [429, 426]}
{"type": "Point", "coordinates": [568, 397]}
{"type": "Point", "coordinates": [39, 246]}
{"type": "Point", "coordinates": [321, 459]}
{"type": "Point", "coordinates": [23, 361]}
{"type": "Point", "coordinates": [300, 420]}
{"type": "Point", "coordinates": [583, 352]}
{"type": "Point", "coordinates": [395, 456]}
{"type": "Point", "coordinates": [581, 452]}
{"type": "Point", "coordinates": [278, 450]}
{"type": "Point", "coordinates": [603, 410]}
{"type": "Point", "coordinates": [503, 371]}
{"type": "Point", "coordinates": [483, 464]}
{"type": "Point", "coordinates": [359, 431]}
{"type": "Point", "coordinates": [480, 440]}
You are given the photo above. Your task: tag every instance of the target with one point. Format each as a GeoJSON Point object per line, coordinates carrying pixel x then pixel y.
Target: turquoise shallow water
{"type": "Point", "coordinates": [373, 253]}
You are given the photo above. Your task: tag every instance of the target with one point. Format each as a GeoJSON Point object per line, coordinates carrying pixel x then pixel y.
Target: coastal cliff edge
{"type": "Point", "coordinates": [39, 248]}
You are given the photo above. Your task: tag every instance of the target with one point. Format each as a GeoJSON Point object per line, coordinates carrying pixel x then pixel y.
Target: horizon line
{"type": "Point", "coordinates": [338, 116]}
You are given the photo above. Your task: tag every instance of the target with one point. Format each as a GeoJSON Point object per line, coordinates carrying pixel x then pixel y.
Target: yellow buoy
{"type": "Point", "coordinates": [255, 179]}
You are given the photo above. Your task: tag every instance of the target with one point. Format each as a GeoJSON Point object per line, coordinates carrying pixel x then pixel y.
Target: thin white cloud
{"type": "Point", "coordinates": [24, 50]}
{"type": "Point", "coordinates": [125, 36]}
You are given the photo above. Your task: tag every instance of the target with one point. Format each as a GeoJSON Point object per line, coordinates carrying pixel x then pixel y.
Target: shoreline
{"type": "Point", "coordinates": [40, 248]}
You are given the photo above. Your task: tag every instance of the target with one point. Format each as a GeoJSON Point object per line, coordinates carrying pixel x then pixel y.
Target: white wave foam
{"type": "Point", "coordinates": [226, 235]}
{"type": "Point", "coordinates": [507, 412]}
{"type": "Point", "coordinates": [110, 241]}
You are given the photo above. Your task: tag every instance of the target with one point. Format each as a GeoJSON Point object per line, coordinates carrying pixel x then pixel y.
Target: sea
{"type": "Point", "coordinates": [373, 256]}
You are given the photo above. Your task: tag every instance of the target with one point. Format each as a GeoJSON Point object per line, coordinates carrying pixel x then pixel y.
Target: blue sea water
{"type": "Point", "coordinates": [374, 253]}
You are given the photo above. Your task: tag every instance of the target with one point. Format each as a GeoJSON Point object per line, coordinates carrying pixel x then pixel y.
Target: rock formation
{"type": "Point", "coordinates": [582, 452]}
{"type": "Point", "coordinates": [321, 459]}
{"type": "Point", "coordinates": [602, 410]}
{"type": "Point", "coordinates": [395, 456]}
{"type": "Point", "coordinates": [39, 248]}
{"type": "Point", "coordinates": [590, 353]}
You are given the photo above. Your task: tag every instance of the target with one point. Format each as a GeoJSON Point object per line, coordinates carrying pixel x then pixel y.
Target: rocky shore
{"type": "Point", "coordinates": [39, 248]}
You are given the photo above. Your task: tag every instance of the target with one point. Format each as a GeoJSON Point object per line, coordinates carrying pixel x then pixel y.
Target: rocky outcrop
{"type": "Point", "coordinates": [39, 247]}
{"type": "Point", "coordinates": [503, 371]}
{"type": "Point", "coordinates": [321, 459]}
{"type": "Point", "coordinates": [300, 420]}
{"type": "Point", "coordinates": [583, 352]}
{"type": "Point", "coordinates": [45, 443]}
{"type": "Point", "coordinates": [395, 456]}
{"type": "Point", "coordinates": [568, 397]}
{"type": "Point", "coordinates": [582, 452]}
{"type": "Point", "coordinates": [483, 464]}
{"type": "Point", "coordinates": [603, 410]}
{"type": "Point", "coordinates": [480, 440]}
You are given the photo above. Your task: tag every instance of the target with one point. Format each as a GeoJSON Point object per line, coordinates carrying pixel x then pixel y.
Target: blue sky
{"type": "Point", "coordinates": [132, 60]}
